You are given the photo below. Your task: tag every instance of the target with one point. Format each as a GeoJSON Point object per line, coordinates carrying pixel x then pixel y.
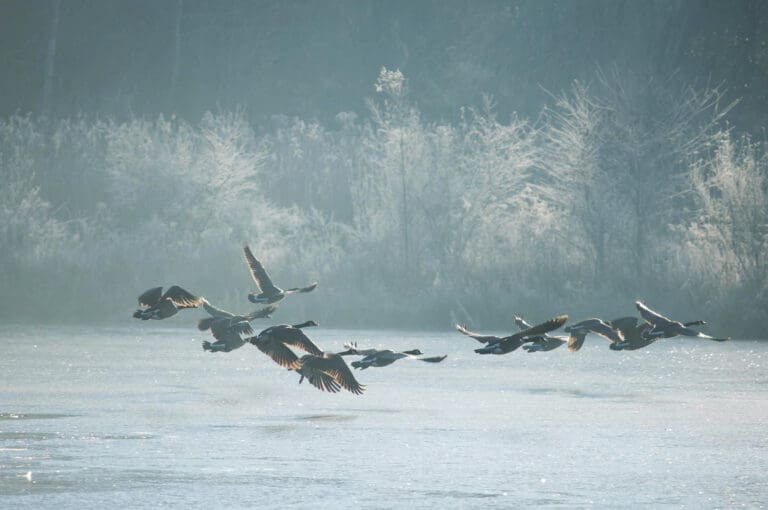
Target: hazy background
{"type": "Point", "coordinates": [427, 162]}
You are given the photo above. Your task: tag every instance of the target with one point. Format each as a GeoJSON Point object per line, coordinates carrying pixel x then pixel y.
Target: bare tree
{"type": "Point", "coordinates": [178, 14]}
{"type": "Point", "coordinates": [727, 240]}
{"type": "Point", "coordinates": [50, 57]}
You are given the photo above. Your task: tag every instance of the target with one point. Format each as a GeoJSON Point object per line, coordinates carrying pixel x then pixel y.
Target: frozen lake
{"type": "Point", "coordinates": [142, 417]}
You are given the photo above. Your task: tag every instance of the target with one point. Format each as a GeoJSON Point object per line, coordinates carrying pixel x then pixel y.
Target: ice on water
{"type": "Point", "coordinates": [143, 417]}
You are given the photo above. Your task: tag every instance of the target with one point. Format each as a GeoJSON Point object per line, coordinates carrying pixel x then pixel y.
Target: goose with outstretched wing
{"type": "Point", "coordinates": [274, 342]}
{"type": "Point", "coordinates": [384, 357]}
{"type": "Point", "coordinates": [635, 335]}
{"type": "Point", "coordinates": [578, 332]}
{"type": "Point", "coordinates": [540, 343]}
{"type": "Point", "coordinates": [662, 327]}
{"type": "Point", "coordinates": [317, 370]}
{"type": "Point", "coordinates": [227, 328]}
{"type": "Point", "coordinates": [156, 305]}
{"type": "Point", "coordinates": [267, 292]}
{"type": "Point", "coordinates": [504, 345]}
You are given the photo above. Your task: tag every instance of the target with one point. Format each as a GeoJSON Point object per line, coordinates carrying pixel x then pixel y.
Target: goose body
{"type": "Point", "coordinates": [635, 335]}
{"type": "Point", "coordinates": [504, 345]}
{"type": "Point", "coordinates": [274, 342]}
{"type": "Point", "coordinates": [328, 372]}
{"type": "Point", "coordinates": [385, 357]}
{"type": "Point", "coordinates": [268, 292]}
{"type": "Point", "coordinates": [228, 328]}
{"type": "Point", "coordinates": [540, 343]}
{"type": "Point", "coordinates": [578, 333]}
{"type": "Point", "coordinates": [154, 304]}
{"type": "Point", "coordinates": [662, 327]}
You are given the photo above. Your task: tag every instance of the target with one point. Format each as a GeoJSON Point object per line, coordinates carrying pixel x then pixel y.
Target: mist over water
{"type": "Point", "coordinates": [143, 417]}
{"type": "Point", "coordinates": [429, 163]}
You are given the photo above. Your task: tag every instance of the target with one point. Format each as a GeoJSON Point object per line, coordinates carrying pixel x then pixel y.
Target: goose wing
{"type": "Point", "coordinates": [334, 366]}
{"type": "Point", "coordinates": [552, 342]}
{"type": "Point", "coordinates": [258, 273]}
{"type": "Point", "coordinates": [230, 339]}
{"type": "Point", "coordinates": [521, 323]}
{"type": "Point", "coordinates": [386, 354]}
{"type": "Point", "coordinates": [279, 353]}
{"type": "Point", "coordinates": [699, 334]}
{"type": "Point", "coordinates": [223, 328]}
{"type": "Point", "coordinates": [601, 328]}
{"type": "Point", "coordinates": [204, 324]}
{"type": "Point", "coordinates": [624, 324]}
{"type": "Point", "coordinates": [182, 298]}
{"type": "Point", "coordinates": [296, 338]}
{"type": "Point", "coordinates": [308, 288]}
{"type": "Point", "coordinates": [351, 349]}
{"type": "Point", "coordinates": [544, 327]}
{"type": "Point", "coordinates": [261, 313]}
{"type": "Point", "coordinates": [631, 331]}
{"type": "Point", "coordinates": [292, 336]}
{"type": "Point", "coordinates": [320, 380]}
{"type": "Point", "coordinates": [576, 340]}
{"type": "Point", "coordinates": [653, 317]}
{"type": "Point", "coordinates": [216, 312]}
{"type": "Point", "coordinates": [480, 338]}
{"type": "Point", "coordinates": [151, 297]}
{"type": "Point", "coordinates": [433, 359]}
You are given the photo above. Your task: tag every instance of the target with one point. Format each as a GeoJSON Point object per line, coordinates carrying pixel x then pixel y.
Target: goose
{"type": "Point", "coordinates": [503, 345]}
{"type": "Point", "coordinates": [541, 343]}
{"type": "Point", "coordinates": [227, 327]}
{"type": "Point", "coordinates": [662, 327]}
{"type": "Point", "coordinates": [385, 357]}
{"type": "Point", "coordinates": [268, 292]}
{"type": "Point", "coordinates": [274, 342]}
{"type": "Point", "coordinates": [156, 305]}
{"type": "Point", "coordinates": [326, 369]}
{"type": "Point", "coordinates": [635, 335]}
{"type": "Point", "coordinates": [578, 332]}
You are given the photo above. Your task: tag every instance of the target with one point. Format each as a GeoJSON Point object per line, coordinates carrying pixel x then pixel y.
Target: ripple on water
{"type": "Point", "coordinates": [34, 416]}
{"type": "Point", "coordinates": [326, 417]}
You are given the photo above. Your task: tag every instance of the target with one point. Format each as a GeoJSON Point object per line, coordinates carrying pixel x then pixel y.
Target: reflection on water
{"type": "Point", "coordinates": [325, 417]}
{"type": "Point", "coordinates": [94, 419]}
{"type": "Point", "coordinates": [33, 416]}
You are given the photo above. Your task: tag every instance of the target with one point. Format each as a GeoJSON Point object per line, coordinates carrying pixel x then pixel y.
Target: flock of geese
{"type": "Point", "coordinates": [328, 371]}
{"type": "Point", "coordinates": [324, 370]}
{"type": "Point", "coordinates": [624, 334]}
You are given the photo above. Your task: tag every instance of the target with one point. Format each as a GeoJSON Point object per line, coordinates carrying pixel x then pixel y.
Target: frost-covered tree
{"type": "Point", "coordinates": [32, 238]}
{"type": "Point", "coordinates": [487, 217]}
{"type": "Point", "coordinates": [616, 157]}
{"type": "Point", "coordinates": [725, 247]}
{"type": "Point", "coordinates": [577, 187]}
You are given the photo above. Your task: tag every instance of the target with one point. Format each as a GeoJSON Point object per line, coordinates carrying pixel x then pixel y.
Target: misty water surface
{"type": "Point", "coordinates": [141, 416]}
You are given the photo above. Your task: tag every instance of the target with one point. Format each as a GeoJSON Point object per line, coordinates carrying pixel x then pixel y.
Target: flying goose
{"type": "Point", "coordinates": [156, 305]}
{"type": "Point", "coordinates": [540, 343]}
{"type": "Point", "coordinates": [274, 340]}
{"type": "Point", "coordinates": [227, 327]}
{"type": "Point", "coordinates": [321, 370]}
{"type": "Point", "coordinates": [578, 332]}
{"type": "Point", "coordinates": [662, 327]}
{"type": "Point", "coordinates": [382, 358]}
{"type": "Point", "coordinates": [268, 292]}
{"type": "Point", "coordinates": [635, 335]}
{"type": "Point", "coordinates": [503, 345]}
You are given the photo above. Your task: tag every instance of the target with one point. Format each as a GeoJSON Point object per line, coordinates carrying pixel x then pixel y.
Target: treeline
{"type": "Point", "coordinates": [617, 190]}
{"type": "Point", "coordinates": [184, 57]}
